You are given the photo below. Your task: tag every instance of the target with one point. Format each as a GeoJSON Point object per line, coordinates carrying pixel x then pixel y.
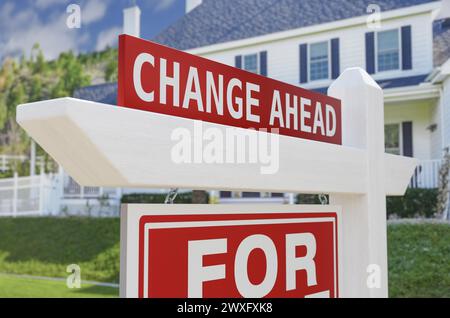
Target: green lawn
{"type": "Point", "coordinates": [26, 287]}
{"type": "Point", "coordinates": [419, 257]}
{"type": "Point", "coordinates": [419, 260]}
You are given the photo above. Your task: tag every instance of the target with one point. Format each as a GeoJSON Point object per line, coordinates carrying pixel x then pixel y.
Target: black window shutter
{"type": "Point", "coordinates": [406, 48]}
{"type": "Point", "coordinates": [238, 61]}
{"type": "Point", "coordinates": [407, 139]}
{"type": "Point", "coordinates": [263, 63]}
{"type": "Point", "coordinates": [370, 52]}
{"type": "Point", "coordinates": [335, 68]}
{"type": "Point", "coordinates": [303, 63]}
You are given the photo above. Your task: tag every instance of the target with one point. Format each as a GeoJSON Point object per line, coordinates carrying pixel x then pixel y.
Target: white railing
{"type": "Point", "coordinates": [73, 190]}
{"type": "Point", "coordinates": [426, 174]}
{"type": "Point", "coordinates": [21, 196]}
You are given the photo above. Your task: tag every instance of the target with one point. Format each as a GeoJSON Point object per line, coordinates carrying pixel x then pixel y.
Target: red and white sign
{"type": "Point", "coordinates": [159, 79]}
{"type": "Point", "coordinates": [279, 252]}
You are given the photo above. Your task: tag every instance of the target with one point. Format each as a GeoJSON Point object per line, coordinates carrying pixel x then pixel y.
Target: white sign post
{"type": "Point", "coordinates": [364, 220]}
{"type": "Point", "coordinates": [104, 145]}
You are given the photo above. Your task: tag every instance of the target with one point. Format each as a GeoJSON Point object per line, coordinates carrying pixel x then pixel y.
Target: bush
{"type": "Point", "coordinates": [185, 197]}
{"type": "Point", "coordinates": [308, 199]}
{"type": "Point", "coordinates": [415, 203]}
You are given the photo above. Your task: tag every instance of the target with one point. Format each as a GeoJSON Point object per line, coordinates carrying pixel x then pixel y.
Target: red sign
{"type": "Point", "coordinates": [159, 79]}
{"type": "Point", "coordinates": [238, 255]}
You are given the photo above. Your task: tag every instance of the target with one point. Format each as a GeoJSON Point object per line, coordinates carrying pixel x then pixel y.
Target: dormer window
{"type": "Point", "coordinates": [251, 63]}
{"type": "Point", "coordinates": [318, 61]}
{"type": "Point", "coordinates": [388, 50]}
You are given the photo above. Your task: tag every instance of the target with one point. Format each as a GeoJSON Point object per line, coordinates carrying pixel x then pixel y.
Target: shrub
{"type": "Point", "coordinates": [185, 197]}
{"type": "Point", "coordinates": [415, 203]}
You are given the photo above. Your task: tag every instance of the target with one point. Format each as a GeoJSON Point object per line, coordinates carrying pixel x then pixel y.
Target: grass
{"type": "Point", "coordinates": [419, 260]}
{"type": "Point", "coordinates": [46, 246]}
{"type": "Point", "coordinates": [419, 257]}
{"type": "Point", "coordinates": [17, 287]}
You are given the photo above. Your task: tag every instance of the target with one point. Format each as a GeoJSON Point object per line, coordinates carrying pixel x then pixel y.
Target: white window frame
{"type": "Point", "coordinates": [309, 61]}
{"type": "Point", "coordinates": [400, 53]}
{"type": "Point", "coordinates": [400, 136]}
{"type": "Point", "coordinates": [258, 70]}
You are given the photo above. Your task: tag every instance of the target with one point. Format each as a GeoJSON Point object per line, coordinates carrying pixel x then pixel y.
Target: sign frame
{"type": "Point", "coordinates": [131, 215]}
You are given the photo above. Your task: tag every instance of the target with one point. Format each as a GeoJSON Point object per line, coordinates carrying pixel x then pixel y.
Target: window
{"type": "Point", "coordinates": [251, 63]}
{"type": "Point", "coordinates": [392, 139]}
{"type": "Point", "coordinates": [388, 50]}
{"type": "Point", "coordinates": [318, 61]}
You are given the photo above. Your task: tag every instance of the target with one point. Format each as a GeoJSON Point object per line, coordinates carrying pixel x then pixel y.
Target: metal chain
{"type": "Point", "coordinates": [171, 196]}
{"type": "Point", "coordinates": [323, 199]}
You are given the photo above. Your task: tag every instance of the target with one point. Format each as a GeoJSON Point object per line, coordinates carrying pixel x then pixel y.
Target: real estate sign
{"type": "Point", "coordinates": [230, 251]}
{"type": "Point", "coordinates": [159, 79]}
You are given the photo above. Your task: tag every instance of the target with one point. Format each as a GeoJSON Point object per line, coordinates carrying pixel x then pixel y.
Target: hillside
{"type": "Point", "coordinates": [31, 78]}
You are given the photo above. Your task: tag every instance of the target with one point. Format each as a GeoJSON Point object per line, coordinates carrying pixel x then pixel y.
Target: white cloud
{"type": "Point", "coordinates": [108, 38]}
{"type": "Point", "coordinates": [161, 5]}
{"type": "Point", "coordinates": [21, 29]}
{"type": "Point", "coordinates": [93, 11]}
{"type": "Point", "coordinates": [44, 4]}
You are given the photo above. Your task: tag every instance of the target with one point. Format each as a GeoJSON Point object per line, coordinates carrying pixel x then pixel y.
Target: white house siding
{"type": "Point", "coordinates": [436, 135]}
{"type": "Point", "coordinates": [420, 113]}
{"type": "Point", "coordinates": [446, 111]}
{"type": "Point", "coordinates": [283, 54]}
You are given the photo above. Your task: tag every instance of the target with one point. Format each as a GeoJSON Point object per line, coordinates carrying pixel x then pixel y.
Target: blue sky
{"type": "Point", "coordinates": [25, 22]}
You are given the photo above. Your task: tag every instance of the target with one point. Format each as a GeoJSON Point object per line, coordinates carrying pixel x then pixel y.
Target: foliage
{"type": "Point", "coordinates": [443, 189]}
{"type": "Point", "coordinates": [419, 260]}
{"type": "Point", "coordinates": [308, 199]}
{"type": "Point", "coordinates": [415, 203]}
{"type": "Point", "coordinates": [18, 287]}
{"type": "Point", "coordinates": [46, 246]}
{"type": "Point", "coordinates": [32, 78]}
{"type": "Point", "coordinates": [155, 198]}
{"type": "Point", "coordinates": [418, 254]}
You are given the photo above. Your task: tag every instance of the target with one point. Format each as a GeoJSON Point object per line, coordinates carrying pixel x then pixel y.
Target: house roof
{"type": "Point", "coordinates": [103, 93]}
{"type": "Point", "coordinates": [389, 83]}
{"type": "Point", "coordinates": [441, 43]}
{"type": "Point", "coordinates": [219, 21]}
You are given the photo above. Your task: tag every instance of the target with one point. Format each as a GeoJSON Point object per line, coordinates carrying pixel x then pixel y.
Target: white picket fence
{"type": "Point", "coordinates": [23, 196]}
{"type": "Point", "coordinates": [55, 194]}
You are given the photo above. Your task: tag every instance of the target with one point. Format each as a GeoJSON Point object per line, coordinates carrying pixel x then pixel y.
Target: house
{"type": "Point", "coordinates": [403, 44]}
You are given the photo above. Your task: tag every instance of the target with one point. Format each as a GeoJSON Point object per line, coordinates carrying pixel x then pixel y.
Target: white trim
{"type": "Point", "coordinates": [416, 92]}
{"type": "Point", "coordinates": [339, 24]}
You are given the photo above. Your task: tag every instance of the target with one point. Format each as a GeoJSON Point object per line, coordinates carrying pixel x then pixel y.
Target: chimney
{"type": "Point", "coordinates": [192, 4]}
{"type": "Point", "coordinates": [132, 21]}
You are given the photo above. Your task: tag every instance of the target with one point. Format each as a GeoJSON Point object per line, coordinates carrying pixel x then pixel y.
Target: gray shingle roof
{"type": "Point", "coordinates": [441, 35]}
{"type": "Point", "coordinates": [218, 21]}
{"type": "Point", "coordinates": [103, 93]}
{"type": "Point", "coordinates": [390, 83]}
